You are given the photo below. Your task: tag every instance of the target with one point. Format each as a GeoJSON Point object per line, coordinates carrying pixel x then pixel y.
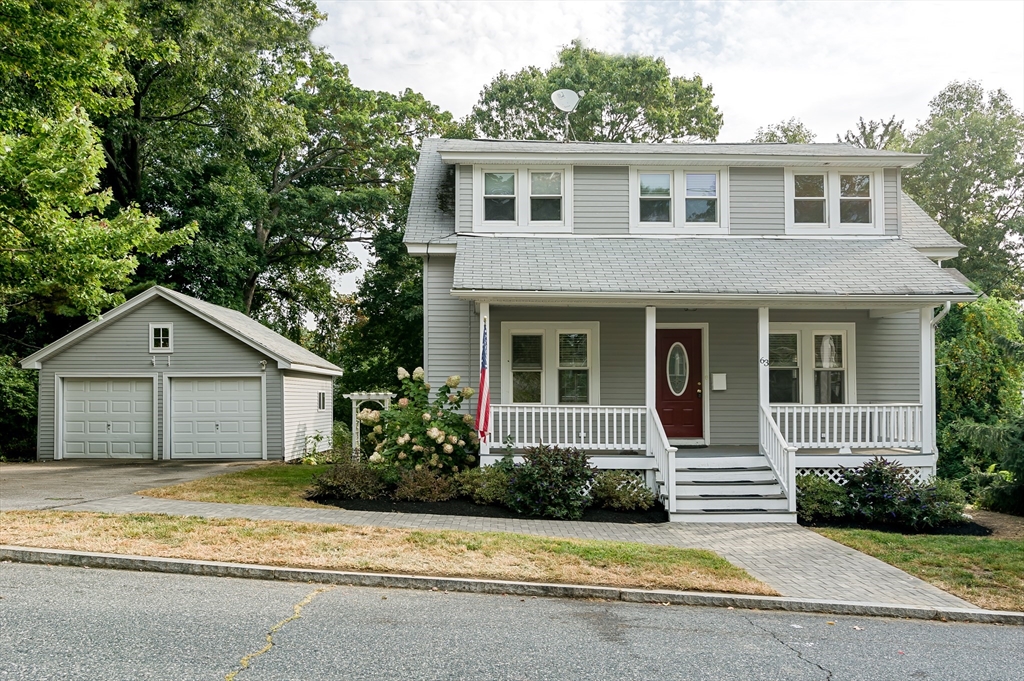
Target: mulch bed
{"type": "Point", "coordinates": [972, 528]}
{"type": "Point", "coordinates": [467, 508]}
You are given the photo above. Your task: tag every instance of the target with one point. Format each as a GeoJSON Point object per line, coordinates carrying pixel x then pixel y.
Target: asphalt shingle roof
{"type": "Point", "coordinates": [699, 266]}
{"type": "Point", "coordinates": [254, 331]}
{"type": "Point", "coordinates": [426, 223]}
{"type": "Point", "coordinates": [920, 230]}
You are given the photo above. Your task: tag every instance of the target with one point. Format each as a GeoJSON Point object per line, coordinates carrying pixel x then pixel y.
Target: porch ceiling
{"type": "Point", "coordinates": [864, 272]}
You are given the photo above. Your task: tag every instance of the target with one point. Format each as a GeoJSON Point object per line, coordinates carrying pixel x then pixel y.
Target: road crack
{"type": "Point", "coordinates": [799, 653]}
{"type": "Point", "coordinates": [246, 660]}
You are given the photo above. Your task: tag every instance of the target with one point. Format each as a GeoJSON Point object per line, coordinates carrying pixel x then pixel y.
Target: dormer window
{"type": "Point", "coordinates": [833, 202]}
{"type": "Point", "coordinates": [678, 201]}
{"type": "Point", "coordinates": [523, 199]}
{"type": "Point", "coordinates": [161, 338]}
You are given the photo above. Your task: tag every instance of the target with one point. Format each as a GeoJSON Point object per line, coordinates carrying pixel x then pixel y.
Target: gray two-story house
{"type": "Point", "coordinates": [719, 317]}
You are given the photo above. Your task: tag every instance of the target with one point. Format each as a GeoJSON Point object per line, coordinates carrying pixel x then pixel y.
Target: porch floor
{"type": "Point", "coordinates": [716, 451]}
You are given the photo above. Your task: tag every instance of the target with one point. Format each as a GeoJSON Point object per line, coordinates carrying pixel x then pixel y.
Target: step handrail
{"type": "Point", "coordinates": [781, 456]}
{"type": "Point", "coordinates": [664, 456]}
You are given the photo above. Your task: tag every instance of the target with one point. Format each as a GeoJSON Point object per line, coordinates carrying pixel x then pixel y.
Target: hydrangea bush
{"type": "Point", "coordinates": [419, 434]}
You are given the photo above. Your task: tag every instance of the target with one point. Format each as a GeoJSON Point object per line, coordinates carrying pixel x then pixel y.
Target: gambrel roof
{"type": "Point", "coordinates": [287, 354]}
{"type": "Point", "coordinates": [698, 266]}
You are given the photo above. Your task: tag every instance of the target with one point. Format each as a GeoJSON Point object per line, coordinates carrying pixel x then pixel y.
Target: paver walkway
{"type": "Point", "coordinates": [797, 562]}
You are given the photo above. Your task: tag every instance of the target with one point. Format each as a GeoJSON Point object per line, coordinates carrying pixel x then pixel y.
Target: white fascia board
{"type": "Point", "coordinates": [430, 249]}
{"type": "Point", "coordinates": [309, 369]}
{"type": "Point", "coordinates": [556, 157]}
{"type": "Point", "coordinates": [35, 360]}
{"type": "Point", "coordinates": [734, 300]}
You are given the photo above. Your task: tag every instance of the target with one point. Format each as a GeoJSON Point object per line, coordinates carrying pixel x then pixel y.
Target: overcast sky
{"type": "Point", "coordinates": [826, 63]}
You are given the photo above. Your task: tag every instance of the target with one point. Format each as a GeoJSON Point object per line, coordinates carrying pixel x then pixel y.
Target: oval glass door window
{"type": "Point", "coordinates": [678, 369]}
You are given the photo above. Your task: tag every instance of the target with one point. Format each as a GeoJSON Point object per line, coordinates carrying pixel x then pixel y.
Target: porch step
{"type": "Point", "coordinates": [726, 475]}
{"type": "Point", "coordinates": [733, 503]}
{"type": "Point", "coordinates": [740, 488]}
{"type": "Point", "coordinates": [732, 517]}
{"type": "Point", "coordinates": [714, 489]}
{"type": "Point", "coordinates": [719, 462]}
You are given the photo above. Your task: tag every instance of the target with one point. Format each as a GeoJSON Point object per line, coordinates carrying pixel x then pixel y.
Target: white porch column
{"type": "Point", "coordinates": [928, 445]}
{"type": "Point", "coordinates": [762, 357]}
{"type": "Point", "coordinates": [651, 372]}
{"type": "Point", "coordinates": [484, 319]}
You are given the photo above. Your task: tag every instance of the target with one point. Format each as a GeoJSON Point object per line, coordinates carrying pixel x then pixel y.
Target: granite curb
{"type": "Point", "coordinates": [22, 554]}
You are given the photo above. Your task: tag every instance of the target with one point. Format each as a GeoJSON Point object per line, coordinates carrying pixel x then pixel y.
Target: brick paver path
{"type": "Point", "coordinates": [797, 562]}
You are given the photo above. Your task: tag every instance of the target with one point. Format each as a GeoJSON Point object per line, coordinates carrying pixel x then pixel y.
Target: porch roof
{"type": "Point", "coordinates": [699, 266]}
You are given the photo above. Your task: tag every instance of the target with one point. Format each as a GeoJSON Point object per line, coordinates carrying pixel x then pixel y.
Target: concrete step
{"type": "Point", "coordinates": [732, 503]}
{"type": "Point", "coordinates": [732, 475]}
{"type": "Point", "coordinates": [733, 517]}
{"type": "Point", "coordinates": [704, 489]}
{"type": "Point", "coordinates": [720, 462]}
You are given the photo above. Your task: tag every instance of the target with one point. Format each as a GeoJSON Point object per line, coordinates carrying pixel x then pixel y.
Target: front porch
{"type": "Point", "coordinates": [730, 453]}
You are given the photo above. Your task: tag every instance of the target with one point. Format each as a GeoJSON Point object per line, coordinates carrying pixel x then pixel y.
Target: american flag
{"type": "Point", "coordinates": [483, 403]}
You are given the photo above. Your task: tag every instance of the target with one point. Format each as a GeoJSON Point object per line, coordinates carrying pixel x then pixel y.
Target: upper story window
{"type": "Point", "coordinates": [161, 338]}
{"type": "Point", "coordinates": [678, 201]}
{"type": "Point", "coordinates": [833, 201]}
{"type": "Point", "coordinates": [522, 199]}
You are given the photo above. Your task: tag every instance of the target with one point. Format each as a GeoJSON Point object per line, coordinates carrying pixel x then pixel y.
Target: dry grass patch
{"type": "Point", "coordinates": [275, 484]}
{"type": "Point", "coordinates": [490, 555]}
{"type": "Point", "coordinates": [985, 571]}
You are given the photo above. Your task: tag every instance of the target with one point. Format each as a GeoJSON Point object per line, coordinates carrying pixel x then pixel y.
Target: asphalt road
{"type": "Point", "coordinates": [50, 484]}
{"type": "Point", "coordinates": [75, 623]}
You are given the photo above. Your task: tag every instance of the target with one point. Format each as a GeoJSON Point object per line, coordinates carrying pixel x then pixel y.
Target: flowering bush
{"type": "Point", "coordinates": [551, 482]}
{"type": "Point", "coordinates": [419, 434]}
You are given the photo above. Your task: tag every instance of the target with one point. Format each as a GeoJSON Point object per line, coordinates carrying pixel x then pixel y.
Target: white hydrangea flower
{"type": "Point", "coordinates": [448, 449]}
{"type": "Point", "coordinates": [402, 374]}
{"type": "Point", "coordinates": [453, 381]}
{"type": "Point", "coordinates": [468, 392]}
{"type": "Point", "coordinates": [427, 416]}
{"type": "Point", "coordinates": [376, 457]}
{"type": "Point", "coordinates": [417, 374]}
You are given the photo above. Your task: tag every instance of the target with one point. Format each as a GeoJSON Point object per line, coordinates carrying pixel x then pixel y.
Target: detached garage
{"type": "Point", "coordinates": [167, 376]}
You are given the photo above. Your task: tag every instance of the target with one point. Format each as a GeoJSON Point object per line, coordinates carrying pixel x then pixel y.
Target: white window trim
{"type": "Point", "coordinates": [522, 224]}
{"type": "Point", "coordinates": [170, 339]}
{"type": "Point", "coordinates": [549, 373]}
{"type": "Point", "coordinates": [321, 397]}
{"type": "Point", "coordinates": [678, 225]}
{"type": "Point", "coordinates": [833, 226]}
{"type": "Point", "coordinates": [806, 331]}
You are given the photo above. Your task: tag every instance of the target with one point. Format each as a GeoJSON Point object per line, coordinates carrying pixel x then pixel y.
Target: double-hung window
{"type": "Point", "coordinates": [811, 364]}
{"type": "Point", "coordinates": [500, 196]}
{"type": "Point", "coordinates": [834, 201]}
{"type": "Point", "coordinates": [546, 196]}
{"type": "Point", "coordinates": [521, 199]}
{"type": "Point", "coordinates": [550, 363]}
{"type": "Point", "coordinates": [678, 200]}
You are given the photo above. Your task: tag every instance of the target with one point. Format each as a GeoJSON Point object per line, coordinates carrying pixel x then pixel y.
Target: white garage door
{"type": "Point", "coordinates": [108, 418]}
{"type": "Point", "coordinates": [216, 418]}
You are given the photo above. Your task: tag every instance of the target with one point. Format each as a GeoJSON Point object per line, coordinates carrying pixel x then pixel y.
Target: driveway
{"type": "Point", "coordinates": [66, 483]}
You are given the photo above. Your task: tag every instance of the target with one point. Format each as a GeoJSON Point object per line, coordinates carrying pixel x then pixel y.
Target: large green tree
{"type": "Point", "coordinates": [627, 98]}
{"type": "Point", "coordinates": [792, 131]}
{"type": "Point", "coordinates": [872, 134]}
{"type": "Point", "coordinates": [972, 182]}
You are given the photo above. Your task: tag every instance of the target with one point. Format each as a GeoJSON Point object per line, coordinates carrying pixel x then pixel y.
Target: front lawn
{"type": "Point", "coordinates": [985, 571]}
{"type": "Point", "coordinates": [488, 555]}
{"type": "Point", "coordinates": [275, 484]}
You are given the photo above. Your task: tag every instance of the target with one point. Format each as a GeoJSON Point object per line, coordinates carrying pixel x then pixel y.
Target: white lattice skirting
{"type": "Point", "coordinates": [919, 473]}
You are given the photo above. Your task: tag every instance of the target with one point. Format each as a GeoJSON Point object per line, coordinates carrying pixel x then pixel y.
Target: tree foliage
{"type": "Point", "coordinates": [792, 131]}
{"type": "Point", "coordinates": [874, 134]}
{"type": "Point", "coordinates": [972, 182]}
{"type": "Point", "coordinates": [627, 98]}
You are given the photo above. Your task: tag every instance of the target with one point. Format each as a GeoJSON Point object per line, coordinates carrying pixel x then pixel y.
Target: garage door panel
{"type": "Point", "coordinates": [108, 418]}
{"type": "Point", "coordinates": [217, 418]}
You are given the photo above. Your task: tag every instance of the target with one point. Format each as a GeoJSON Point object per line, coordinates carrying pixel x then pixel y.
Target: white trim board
{"type": "Point", "coordinates": [705, 378]}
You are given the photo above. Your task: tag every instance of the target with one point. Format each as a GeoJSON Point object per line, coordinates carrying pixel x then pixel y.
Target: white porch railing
{"type": "Point", "coordinates": [664, 458]}
{"type": "Point", "coordinates": [586, 427]}
{"type": "Point", "coordinates": [814, 426]}
{"type": "Point", "coordinates": [781, 456]}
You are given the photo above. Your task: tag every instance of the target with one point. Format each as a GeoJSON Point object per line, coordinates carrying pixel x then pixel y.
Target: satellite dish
{"type": "Point", "coordinates": [565, 100]}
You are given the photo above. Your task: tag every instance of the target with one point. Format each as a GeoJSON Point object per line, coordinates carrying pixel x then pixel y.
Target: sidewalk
{"type": "Point", "coordinates": [797, 562]}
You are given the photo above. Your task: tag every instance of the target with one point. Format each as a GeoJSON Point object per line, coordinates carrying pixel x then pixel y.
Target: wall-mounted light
{"type": "Point", "coordinates": [263, 365]}
{"type": "Point", "coordinates": [154, 359]}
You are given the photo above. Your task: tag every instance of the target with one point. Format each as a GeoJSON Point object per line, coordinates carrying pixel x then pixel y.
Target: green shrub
{"type": "Point", "coordinates": [819, 499]}
{"type": "Point", "coordinates": [424, 484]}
{"type": "Point", "coordinates": [551, 482]}
{"type": "Point", "coordinates": [417, 433]}
{"type": "Point", "coordinates": [621, 491]}
{"type": "Point", "coordinates": [939, 503]}
{"type": "Point", "coordinates": [349, 480]}
{"type": "Point", "coordinates": [487, 485]}
{"type": "Point", "coordinates": [884, 493]}
{"type": "Point", "coordinates": [18, 401]}
{"type": "Point", "coordinates": [996, 490]}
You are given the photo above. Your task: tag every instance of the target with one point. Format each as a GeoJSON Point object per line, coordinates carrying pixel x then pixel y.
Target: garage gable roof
{"type": "Point", "coordinates": [287, 354]}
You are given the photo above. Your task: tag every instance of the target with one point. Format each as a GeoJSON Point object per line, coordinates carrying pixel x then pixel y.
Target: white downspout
{"type": "Point", "coordinates": [938, 317]}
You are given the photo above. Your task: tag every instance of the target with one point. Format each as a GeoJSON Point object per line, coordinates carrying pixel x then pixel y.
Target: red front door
{"type": "Point", "coordinates": [680, 390]}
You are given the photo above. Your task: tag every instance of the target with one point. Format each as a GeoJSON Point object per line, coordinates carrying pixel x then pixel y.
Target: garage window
{"type": "Point", "coordinates": [321, 401]}
{"type": "Point", "coordinates": [161, 338]}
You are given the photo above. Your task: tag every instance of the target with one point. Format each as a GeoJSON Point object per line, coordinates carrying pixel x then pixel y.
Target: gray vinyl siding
{"type": "Point", "coordinates": [757, 202]}
{"type": "Point", "coordinates": [600, 200]}
{"type": "Point", "coordinates": [732, 350]}
{"type": "Point", "coordinates": [122, 347]}
{"type": "Point", "coordinates": [302, 418]}
{"type": "Point", "coordinates": [464, 210]}
{"type": "Point", "coordinates": [888, 351]}
{"type": "Point", "coordinates": [452, 329]}
{"type": "Point", "coordinates": [891, 202]}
